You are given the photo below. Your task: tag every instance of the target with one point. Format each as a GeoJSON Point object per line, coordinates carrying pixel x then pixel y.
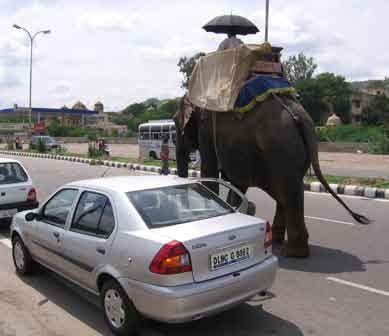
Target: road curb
{"type": "Point", "coordinates": [341, 189]}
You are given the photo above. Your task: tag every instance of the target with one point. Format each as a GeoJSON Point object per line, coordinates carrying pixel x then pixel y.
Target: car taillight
{"type": "Point", "coordinates": [268, 236]}
{"type": "Point", "coordinates": [172, 258]}
{"type": "Point", "coordinates": [31, 196]}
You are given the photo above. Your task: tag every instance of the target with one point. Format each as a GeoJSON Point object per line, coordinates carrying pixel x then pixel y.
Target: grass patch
{"type": "Point", "coordinates": [348, 180]}
{"type": "Point", "coordinates": [350, 133]}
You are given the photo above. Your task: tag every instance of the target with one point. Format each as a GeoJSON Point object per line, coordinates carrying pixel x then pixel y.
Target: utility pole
{"type": "Point", "coordinates": [32, 37]}
{"type": "Point", "coordinates": [267, 22]}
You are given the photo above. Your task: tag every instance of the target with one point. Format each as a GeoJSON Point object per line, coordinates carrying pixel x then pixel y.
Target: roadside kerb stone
{"type": "Point", "coordinates": [387, 193]}
{"type": "Point", "coordinates": [350, 190]}
{"type": "Point", "coordinates": [370, 192]}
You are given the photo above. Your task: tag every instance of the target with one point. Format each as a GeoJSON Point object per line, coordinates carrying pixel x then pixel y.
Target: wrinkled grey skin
{"type": "Point", "coordinates": [263, 148]}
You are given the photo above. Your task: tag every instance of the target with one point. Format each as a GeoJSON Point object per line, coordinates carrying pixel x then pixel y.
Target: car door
{"type": "Point", "coordinates": [87, 242]}
{"type": "Point", "coordinates": [14, 185]}
{"type": "Point", "coordinates": [50, 228]}
{"type": "Point", "coordinates": [229, 194]}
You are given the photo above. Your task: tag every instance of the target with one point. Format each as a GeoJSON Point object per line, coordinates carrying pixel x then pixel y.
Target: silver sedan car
{"type": "Point", "coordinates": [164, 247]}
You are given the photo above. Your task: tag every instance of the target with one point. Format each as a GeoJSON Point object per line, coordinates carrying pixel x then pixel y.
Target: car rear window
{"type": "Point", "coordinates": [177, 204]}
{"type": "Point", "coordinates": [12, 172]}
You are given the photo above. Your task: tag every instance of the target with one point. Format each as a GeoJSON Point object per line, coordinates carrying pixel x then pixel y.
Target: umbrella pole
{"type": "Point", "coordinates": [267, 22]}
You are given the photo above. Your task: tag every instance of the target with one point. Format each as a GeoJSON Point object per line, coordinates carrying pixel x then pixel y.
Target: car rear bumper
{"type": "Point", "coordinates": [20, 206]}
{"type": "Point", "coordinates": [194, 301]}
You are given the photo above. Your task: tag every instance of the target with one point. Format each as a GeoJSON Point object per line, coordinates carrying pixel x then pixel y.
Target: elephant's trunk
{"type": "Point", "coordinates": [307, 131]}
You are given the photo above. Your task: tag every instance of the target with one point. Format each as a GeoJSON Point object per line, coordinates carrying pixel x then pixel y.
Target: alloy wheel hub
{"type": "Point", "coordinates": [114, 309]}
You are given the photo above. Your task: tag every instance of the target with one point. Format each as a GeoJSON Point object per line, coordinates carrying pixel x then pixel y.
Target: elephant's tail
{"type": "Point", "coordinates": [308, 134]}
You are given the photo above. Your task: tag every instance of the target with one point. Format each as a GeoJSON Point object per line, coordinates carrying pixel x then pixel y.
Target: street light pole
{"type": "Point", "coordinates": [267, 22]}
{"type": "Point", "coordinates": [32, 37]}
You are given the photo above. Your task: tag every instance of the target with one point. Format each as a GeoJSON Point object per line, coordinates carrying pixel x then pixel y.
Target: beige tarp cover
{"type": "Point", "coordinates": [218, 77]}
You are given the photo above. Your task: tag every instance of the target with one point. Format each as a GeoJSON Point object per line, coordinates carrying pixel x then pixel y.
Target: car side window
{"type": "Point", "coordinates": [58, 207]}
{"type": "Point", "coordinates": [93, 215]}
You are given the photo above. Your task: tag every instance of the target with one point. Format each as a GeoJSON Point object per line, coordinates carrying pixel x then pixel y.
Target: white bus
{"type": "Point", "coordinates": [150, 136]}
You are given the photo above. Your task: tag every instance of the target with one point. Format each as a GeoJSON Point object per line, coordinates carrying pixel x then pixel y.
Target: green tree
{"type": "Point", "coordinates": [377, 113]}
{"type": "Point", "coordinates": [134, 109]}
{"type": "Point", "coordinates": [336, 94]}
{"type": "Point", "coordinates": [186, 66]}
{"type": "Point", "coordinates": [325, 93]}
{"type": "Point", "coordinates": [299, 67]}
{"type": "Point", "coordinates": [311, 98]}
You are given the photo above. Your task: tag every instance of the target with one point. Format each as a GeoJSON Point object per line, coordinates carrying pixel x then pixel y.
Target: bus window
{"type": "Point", "coordinates": [165, 128]}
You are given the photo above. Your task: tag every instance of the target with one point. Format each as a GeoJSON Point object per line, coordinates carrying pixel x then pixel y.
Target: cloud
{"type": "Point", "coordinates": [123, 51]}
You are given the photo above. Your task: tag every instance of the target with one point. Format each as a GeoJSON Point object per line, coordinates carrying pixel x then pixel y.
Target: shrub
{"type": "Point", "coordinates": [349, 133]}
{"type": "Point", "coordinates": [10, 145]}
{"type": "Point", "coordinates": [93, 152]}
{"type": "Point", "coordinates": [42, 148]}
{"type": "Point", "coordinates": [381, 144]}
{"type": "Point", "coordinates": [60, 150]}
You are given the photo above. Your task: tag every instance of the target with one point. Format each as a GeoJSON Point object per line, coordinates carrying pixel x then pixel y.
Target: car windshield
{"type": "Point", "coordinates": [12, 172]}
{"type": "Point", "coordinates": [177, 204]}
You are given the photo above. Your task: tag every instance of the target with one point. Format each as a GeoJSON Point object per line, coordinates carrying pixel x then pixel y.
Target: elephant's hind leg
{"type": "Point", "coordinates": [297, 233]}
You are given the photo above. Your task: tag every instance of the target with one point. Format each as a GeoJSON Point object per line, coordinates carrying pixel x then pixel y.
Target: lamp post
{"type": "Point", "coordinates": [32, 37]}
{"type": "Point", "coordinates": [267, 22]}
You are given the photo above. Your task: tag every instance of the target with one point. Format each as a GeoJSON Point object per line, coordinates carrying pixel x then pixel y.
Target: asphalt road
{"type": "Point", "coordinates": [342, 289]}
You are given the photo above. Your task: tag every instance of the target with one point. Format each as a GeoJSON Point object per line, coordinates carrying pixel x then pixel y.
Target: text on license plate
{"type": "Point", "coordinates": [230, 256]}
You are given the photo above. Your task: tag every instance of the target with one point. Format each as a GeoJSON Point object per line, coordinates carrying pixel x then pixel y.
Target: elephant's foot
{"type": "Point", "coordinates": [295, 251]}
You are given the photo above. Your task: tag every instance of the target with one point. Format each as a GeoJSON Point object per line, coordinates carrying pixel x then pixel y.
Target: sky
{"type": "Point", "coordinates": [125, 51]}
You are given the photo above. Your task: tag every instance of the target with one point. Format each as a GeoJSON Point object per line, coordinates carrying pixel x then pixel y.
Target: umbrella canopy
{"type": "Point", "coordinates": [231, 24]}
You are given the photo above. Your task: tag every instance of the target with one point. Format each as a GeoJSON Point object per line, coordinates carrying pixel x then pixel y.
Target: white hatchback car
{"type": "Point", "coordinates": [17, 192]}
{"type": "Point", "coordinates": [160, 246]}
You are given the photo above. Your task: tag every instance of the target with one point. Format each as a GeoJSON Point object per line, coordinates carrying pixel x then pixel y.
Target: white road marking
{"type": "Point", "coordinates": [362, 198]}
{"type": "Point", "coordinates": [330, 220]}
{"type": "Point", "coordinates": [5, 241]}
{"type": "Point", "coordinates": [355, 285]}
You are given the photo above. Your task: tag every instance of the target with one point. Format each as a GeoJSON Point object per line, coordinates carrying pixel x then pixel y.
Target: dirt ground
{"type": "Point", "coordinates": [122, 150]}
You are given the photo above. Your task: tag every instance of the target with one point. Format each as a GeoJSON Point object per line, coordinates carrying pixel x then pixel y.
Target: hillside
{"type": "Point", "coordinates": [368, 84]}
{"type": "Point", "coordinates": [150, 109]}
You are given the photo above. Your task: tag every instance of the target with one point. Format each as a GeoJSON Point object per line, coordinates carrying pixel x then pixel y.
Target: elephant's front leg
{"type": "Point", "coordinates": [279, 224]}
{"type": "Point", "coordinates": [182, 157]}
{"type": "Point", "coordinates": [297, 233]}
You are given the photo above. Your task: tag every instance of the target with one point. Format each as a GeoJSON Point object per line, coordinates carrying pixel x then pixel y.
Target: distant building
{"type": "Point", "coordinates": [77, 116]}
{"type": "Point", "coordinates": [68, 117]}
{"type": "Point", "coordinates": [361, 99]}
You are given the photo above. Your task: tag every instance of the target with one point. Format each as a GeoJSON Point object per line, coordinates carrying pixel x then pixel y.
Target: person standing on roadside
{"type": "Point", "coordinates": [164, 155]}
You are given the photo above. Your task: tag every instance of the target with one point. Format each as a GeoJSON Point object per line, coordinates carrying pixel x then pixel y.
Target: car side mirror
{"type": "Point", "coordinates": [30, 216]}
{"type": "Point", "coordinates": [251, 209]}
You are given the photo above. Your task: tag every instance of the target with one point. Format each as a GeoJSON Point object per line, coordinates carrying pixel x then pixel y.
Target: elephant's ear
{"type": "Point", "coordinates": [183, 113]}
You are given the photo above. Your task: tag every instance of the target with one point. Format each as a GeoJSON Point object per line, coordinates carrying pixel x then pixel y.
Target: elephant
{"type": "Point", "coordinates": [270, 147]}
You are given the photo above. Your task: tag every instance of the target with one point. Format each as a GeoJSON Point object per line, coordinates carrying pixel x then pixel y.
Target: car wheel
{"type": "Point", "coordinates": [21, 257]}
{"type": "Point", "coordinates": [119, 313]}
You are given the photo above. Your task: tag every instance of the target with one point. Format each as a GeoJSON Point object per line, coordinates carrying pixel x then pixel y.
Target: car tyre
{"type": "Point", "coordinates": [119, 312]}
{"type": "Point", "coordinates": [24, 264]}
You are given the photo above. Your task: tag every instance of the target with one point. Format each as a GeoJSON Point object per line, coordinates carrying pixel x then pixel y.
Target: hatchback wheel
{"type": "Point", "coordinates": [21, 257]}
{"type": "Point", "coordinates": [119, 313]}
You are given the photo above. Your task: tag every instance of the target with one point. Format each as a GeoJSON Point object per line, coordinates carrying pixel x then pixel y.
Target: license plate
{"type": "Point", "coordinates": [230, 256]}
{"type": "Point", "coordinates": [8, 213]}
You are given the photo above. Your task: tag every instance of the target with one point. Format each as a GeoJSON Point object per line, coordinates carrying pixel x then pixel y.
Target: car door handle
{"type": "Point", "coordinates": [56, 235]}
{"type": "Point", "coordinates": [100, 250]}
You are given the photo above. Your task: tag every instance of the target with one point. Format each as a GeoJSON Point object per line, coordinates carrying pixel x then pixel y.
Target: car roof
{"type": "Point", "coordinates": [130, 183]}
{"type": "Point", "coordinates": [6, 160]}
